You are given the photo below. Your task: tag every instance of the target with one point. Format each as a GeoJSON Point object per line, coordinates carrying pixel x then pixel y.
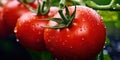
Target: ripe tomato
{"type": "Point", "coordinates": [12, 11]}
{"type": "Point", "coordinates": [3, 32]}
{"type": "Point", "coordinates": [83, 40]}
{"type": "Point", "coordinates": [29, 30]}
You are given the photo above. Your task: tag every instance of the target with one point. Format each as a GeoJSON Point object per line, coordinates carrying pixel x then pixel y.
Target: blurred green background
{"type": "Point", "coordinates": [11, 49]}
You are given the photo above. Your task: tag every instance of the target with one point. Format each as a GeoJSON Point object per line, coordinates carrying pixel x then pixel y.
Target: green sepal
{"type": "Point", "coordinates": [65, 20]}
{"type": "Point", "coordinates": [67, 12]}
{"type": "Point", "coordinates": [72, 17]}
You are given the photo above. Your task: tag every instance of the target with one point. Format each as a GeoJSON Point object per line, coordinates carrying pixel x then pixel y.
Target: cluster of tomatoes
{"type": "Point", "coordinates": [85, 36]}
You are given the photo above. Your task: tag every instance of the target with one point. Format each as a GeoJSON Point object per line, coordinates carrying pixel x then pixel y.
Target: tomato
{"type": "Point", "coordinates": [3, 32]}
{"type": "Point", "coordinates": [29, 30]}
{"type": "Point", "coordinates": [83, 40]}
{"type": "Point", "coordinates": [12, 11]}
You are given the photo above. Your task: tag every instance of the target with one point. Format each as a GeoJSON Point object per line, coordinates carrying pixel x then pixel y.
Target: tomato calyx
{"type": "Point", "coordinates": [65, 20]}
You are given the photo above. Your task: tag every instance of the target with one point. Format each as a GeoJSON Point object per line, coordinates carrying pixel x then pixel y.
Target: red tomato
{"type": "Point", "coordinates": [83, 40]}
{"type": "Point", "coordinates": [12, 11]}
{"type": "Point", "coordinates": [3, 32]}
{"type": "Point", "coordinates": [29, 30]}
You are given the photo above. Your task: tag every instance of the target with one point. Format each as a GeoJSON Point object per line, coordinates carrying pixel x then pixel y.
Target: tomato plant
{"type": "Point", "coordinates": [83, 38]}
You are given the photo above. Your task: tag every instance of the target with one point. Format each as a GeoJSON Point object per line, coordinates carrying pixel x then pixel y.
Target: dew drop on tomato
{"type": "Point", "coordinates": [68, 35]}
{"type": "Point", "coordinates": [71, 47]}
{"type": "Point", "coordinates": [17, 40]}
{"type": "Point", "coordinates": [49, 40]}
{"type": "Point", "coordinates": [83, 39]}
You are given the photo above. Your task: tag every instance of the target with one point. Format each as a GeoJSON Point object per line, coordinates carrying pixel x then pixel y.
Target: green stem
{"type": "Point", "coordinates": [113, 6]}
{"type": "Point", "coordinates": [61, 4]}
{"type": "Point", "coordinates": [44, 8]}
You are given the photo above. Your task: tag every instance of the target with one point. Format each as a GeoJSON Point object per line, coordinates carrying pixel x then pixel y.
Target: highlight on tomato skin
{"type": "Point", "coordinates": [84, 38]}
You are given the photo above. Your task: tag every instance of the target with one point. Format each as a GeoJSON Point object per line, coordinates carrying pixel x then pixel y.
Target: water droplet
{"type": "Point", "coordinates": [58, 30]}
{"type": "Point", "coordinates": [33, 29]}
{"type": "Point", "coordinates": [68, 35]}
{"type": "Point", "coordinates": [83, 39]}
{"type": "Point", "coordinates": [104, 46]}
{"type": "Point", "coordinates": [71, 47]}
{"type": "Point", "coordinates": [83, 20]}
{"type": "Point", "coordinates": [39, 32]}
{"type": "Point", "coordinates": [105, 27]}
{"type": "Point", "coordinates": [97, 23]}
{"type": "Point", "coordinates": [17, 40]}
{"type": "Point", "coordinates": [101, 18]}
{"type": "Point", "coordinates": [55, 58]}
{"type": "Point", "coordinates": [67, 29]}
{"type": "Point", "coordinates": [49, 40]}
{"type": "Point", "coordinates": [15, 31]}
{"type": "Point", "coordinates": [47, 29]}
{"type": "Point", "coordinates": [117, 4]}
{"type": "Point", "coordinates": [75, 24]}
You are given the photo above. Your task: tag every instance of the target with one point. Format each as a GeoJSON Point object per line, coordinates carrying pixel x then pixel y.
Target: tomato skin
{"type": "Point", "coordinates": [12, 11]}
{"type": "Point", "coordinates": [84, 38]}
{"type": "Point", "coordinates": [3, 32]}
{"type": "Point", "coordinates": [30, 30]}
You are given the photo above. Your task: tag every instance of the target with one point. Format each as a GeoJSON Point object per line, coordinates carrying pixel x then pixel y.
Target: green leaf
{"type": "Point", "coordinates": [109, 16]}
